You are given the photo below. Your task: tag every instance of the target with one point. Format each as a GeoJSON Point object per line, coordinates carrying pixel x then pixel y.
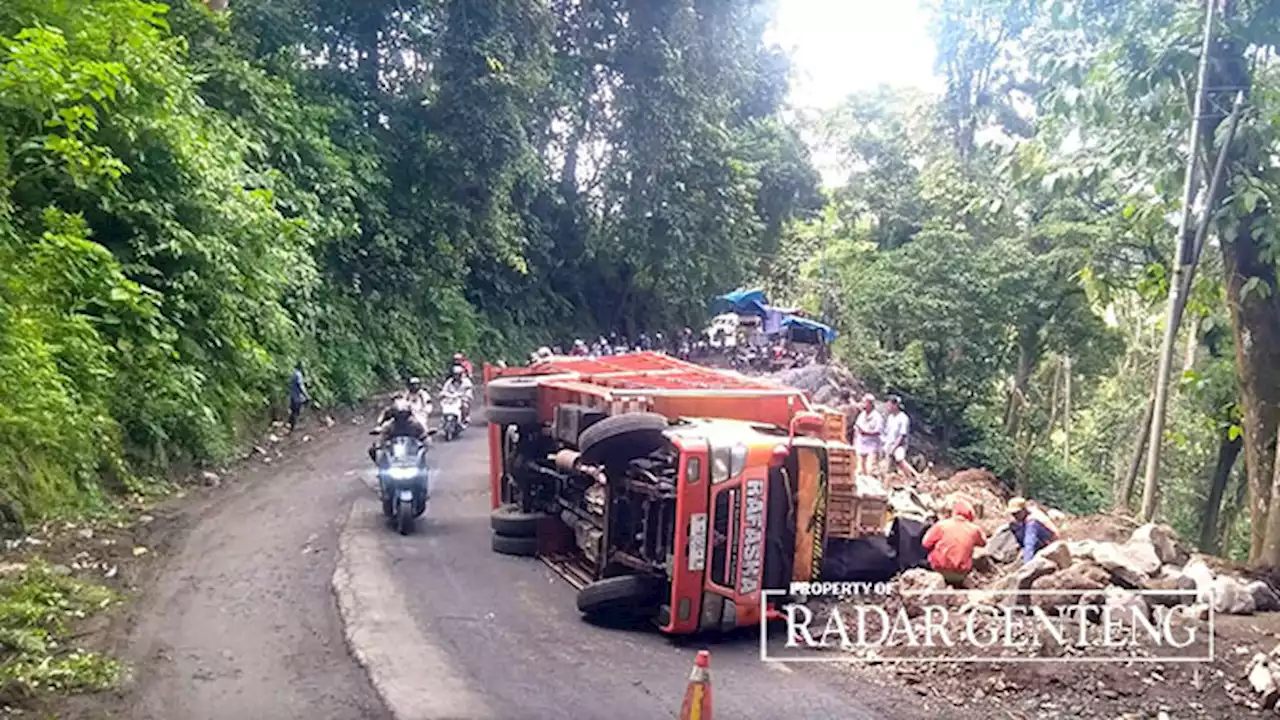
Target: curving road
{"type": "Point", "coordinates": [241, 622]}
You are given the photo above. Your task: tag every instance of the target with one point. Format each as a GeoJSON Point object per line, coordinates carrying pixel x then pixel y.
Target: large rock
{"type": "Point", "coordinates": [1202, 576]}
{"type": "Point", "coordinates": [1130, 563]}
{"type": "Point", "coordinates": [1263, 681]}
{"type": "Point", "coordinates": [1232, 597]}
{"type": "Point", "coordinates": [1058, 552]}
{"type": "Point", "coordinates": [1023, 577]}
{"type": "Point", "coordinates": [1162, 540]}
{"type": "Point", "coordinates": [1081, 549]}
{"type": "Point", "coordinates": [1180, 590]}
{"type": "Point", "coordinates": [1126, 601]}
{"type": "Point", "coordinates": [983, 563]}
{"type": "Point", "coordinates": [1076, 583]}
{"type": "Point", "coordinates": [1002, 546]}
{"type": "Point", "coordinates": [1265, 598]}
{"type": "Point", "coordinates": [931, 589]}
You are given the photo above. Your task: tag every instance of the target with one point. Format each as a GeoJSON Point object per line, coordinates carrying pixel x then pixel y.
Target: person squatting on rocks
{"type": "Point", "coordinates": [951, 543]}
{"type": "Point", "coordinates": [298, 395]}
{"type": "Point", "coordinates": [867, 430]}
{"type": "Point", "coordinates": [1030, 527]}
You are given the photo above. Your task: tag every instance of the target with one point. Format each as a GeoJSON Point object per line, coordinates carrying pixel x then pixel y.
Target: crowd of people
{"type": "Point", "coordinates": [767, 353]}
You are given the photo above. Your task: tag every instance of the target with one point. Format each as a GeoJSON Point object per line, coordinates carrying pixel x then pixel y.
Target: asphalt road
{"type": "Point", "coordinates": [288, 582]}
{"type": "Point", "coordinates": [514, 646]}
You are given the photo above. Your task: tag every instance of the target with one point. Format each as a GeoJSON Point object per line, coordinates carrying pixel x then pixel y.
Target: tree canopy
{"type": "Point", "coordinates": [193, 201]}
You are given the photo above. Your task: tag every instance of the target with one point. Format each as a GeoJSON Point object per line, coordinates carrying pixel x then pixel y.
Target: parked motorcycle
{"type": "Point", "coordinates": [450, 416]}
{"type": "Point", "coordinates": [402, 481]}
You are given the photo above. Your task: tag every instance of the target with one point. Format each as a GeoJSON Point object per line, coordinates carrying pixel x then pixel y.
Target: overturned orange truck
{"type": "Point", "coordinates": [667, 490]}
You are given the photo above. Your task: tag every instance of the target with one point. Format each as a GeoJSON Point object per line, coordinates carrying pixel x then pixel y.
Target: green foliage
{"type": "Point", "coordinates": [38, 608]}
{"type": "Point", "coordinates": [191, 203]}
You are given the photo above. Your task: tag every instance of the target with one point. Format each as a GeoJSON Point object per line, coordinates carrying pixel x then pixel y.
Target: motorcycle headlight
{"type": "Point", "coordinates": [402, 473]}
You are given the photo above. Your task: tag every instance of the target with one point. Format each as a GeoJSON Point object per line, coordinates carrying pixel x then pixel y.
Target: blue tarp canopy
{"type": "Point", "coordinates": [807, 327]}
{"type": "Point", "coordinates": [742, 302]}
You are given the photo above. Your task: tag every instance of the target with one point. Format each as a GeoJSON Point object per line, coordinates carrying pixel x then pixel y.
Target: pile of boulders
{"type": "Point", "coordinates": [823, 383]}
{"type": "Point", "coordinates": [1089, 571]}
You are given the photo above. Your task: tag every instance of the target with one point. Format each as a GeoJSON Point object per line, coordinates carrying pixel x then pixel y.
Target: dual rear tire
{"type": "Point", "coordinates": [514, 532]}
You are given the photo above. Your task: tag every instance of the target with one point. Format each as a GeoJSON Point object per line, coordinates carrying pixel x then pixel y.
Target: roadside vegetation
{"type": "Point", "coordinates": [1001, 255]}
{"type": "Point", "coordinates": [39, 609]}
{"type": "Point", "coordinates": [192, 201]}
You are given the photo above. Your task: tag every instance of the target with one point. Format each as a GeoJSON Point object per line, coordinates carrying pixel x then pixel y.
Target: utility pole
{"type": "Point", "coordinates": [1181, 262]}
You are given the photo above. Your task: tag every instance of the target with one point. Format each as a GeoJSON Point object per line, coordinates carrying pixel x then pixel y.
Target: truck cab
{"type": "Point", "coordinates": [653, 509]}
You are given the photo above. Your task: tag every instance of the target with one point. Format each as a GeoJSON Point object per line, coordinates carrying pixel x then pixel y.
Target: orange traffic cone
{"type": "Point", "coordinates": [697, 697]}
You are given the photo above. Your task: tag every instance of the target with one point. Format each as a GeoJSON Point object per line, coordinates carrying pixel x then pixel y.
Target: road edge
{"type": "Point", "coordinates": [411, 676]}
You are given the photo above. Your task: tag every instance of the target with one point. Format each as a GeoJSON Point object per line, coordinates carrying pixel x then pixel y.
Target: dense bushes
{"type": "Point", "coordinates": [190, 203]}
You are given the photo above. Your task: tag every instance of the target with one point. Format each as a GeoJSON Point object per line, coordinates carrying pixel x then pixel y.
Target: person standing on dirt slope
{"type": "Point", "coordinates": [896, 426]}
{"type": "Point", "coordinates": [1029, 531]}
{"type": "Point", "coordinates": [298, 395]}
{"type": "Point", "coordinates": [951, 542]}
{"type": "Point", "coordinates": [867, 428]}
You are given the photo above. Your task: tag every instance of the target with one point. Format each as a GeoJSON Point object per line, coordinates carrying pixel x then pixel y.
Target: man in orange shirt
{"type": "Point", "coordinates": [951, 542]}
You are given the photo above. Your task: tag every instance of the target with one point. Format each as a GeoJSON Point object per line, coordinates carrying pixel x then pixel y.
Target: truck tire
{"type": "Point", "coordinates": [625, 436]}
{"type": "Point", "coordinates": [517, 546]}
{"type": "Point", "coordinates": [509, 521]}
{"type": "Point", "coordinates": [504, 415]}
{"type": "Point", "coordinates": [622, 596]}
{"type": "Point", "coordinates": [514, 391]}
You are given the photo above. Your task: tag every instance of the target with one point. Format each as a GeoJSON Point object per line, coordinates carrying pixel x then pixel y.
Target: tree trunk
{"type": "Point", "coordinates": [1255, 325]}
{"type": "Point", "coordinates": [1028, 355]}
{"type": "Point", "coordinates": [216, 5]}
{"type": "Point", "coordinates": [1124, 495]}
{"type": "Point", "coordinates": [1066, 408]}
{"type": "Point", "coordinates": [1193, 345]}
{"type": "Point", "coordinates": [1228, 451]}
{"type": "Point", "coordinates": [1229, 515]}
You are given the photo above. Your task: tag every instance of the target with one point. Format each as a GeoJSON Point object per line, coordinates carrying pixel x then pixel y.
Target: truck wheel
{"type": "Point", "coordinates": [628, 436]}
{"type": "Point", "coordinates": [625, 595]}
{"type": "Point", "coordinates": [509, 521]}
{"type": "Point", "coordinates": [517, 390]}
{"type": "Point", "coordinates": [518, 546]}
{"type": "Point", "coordinates": [502, 415]}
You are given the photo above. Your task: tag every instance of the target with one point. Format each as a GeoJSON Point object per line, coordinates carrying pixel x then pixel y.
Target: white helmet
{"type": "Point", "coordinates": [543, 353]}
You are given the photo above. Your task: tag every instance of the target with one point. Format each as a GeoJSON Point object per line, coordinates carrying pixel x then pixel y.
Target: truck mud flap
{"type": "Point", "coordinates": [568, 568]}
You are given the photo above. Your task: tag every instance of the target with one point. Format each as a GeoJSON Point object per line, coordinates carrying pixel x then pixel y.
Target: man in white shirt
{"type": "Point", "coordinates": [896, 427]}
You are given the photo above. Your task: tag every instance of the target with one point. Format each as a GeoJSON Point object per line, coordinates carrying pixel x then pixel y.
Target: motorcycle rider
{"type": "Point", "coordinates": [579, 348]}
{"type": "Point", "coordinates": [459, 384]}
{"type": "Point", "coordinates": [460, 359]}
{"type": "Point", "coordinates": [398, 420]}
{"type": "Point", "coordinates": [419, 399]}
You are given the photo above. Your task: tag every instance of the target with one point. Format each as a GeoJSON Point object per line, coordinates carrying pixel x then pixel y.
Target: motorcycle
{"type": "Point", "coordinates": [450, 415]}
{"type": "Point", "coordinates": [402, 481]}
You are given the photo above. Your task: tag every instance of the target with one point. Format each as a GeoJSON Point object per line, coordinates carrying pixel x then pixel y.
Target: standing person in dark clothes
{"type": "Point", "coordinates": [298, 395]}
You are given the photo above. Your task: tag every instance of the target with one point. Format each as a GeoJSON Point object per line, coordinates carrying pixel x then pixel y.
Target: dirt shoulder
{"type": "Point", "coordinates": [224, 607]}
